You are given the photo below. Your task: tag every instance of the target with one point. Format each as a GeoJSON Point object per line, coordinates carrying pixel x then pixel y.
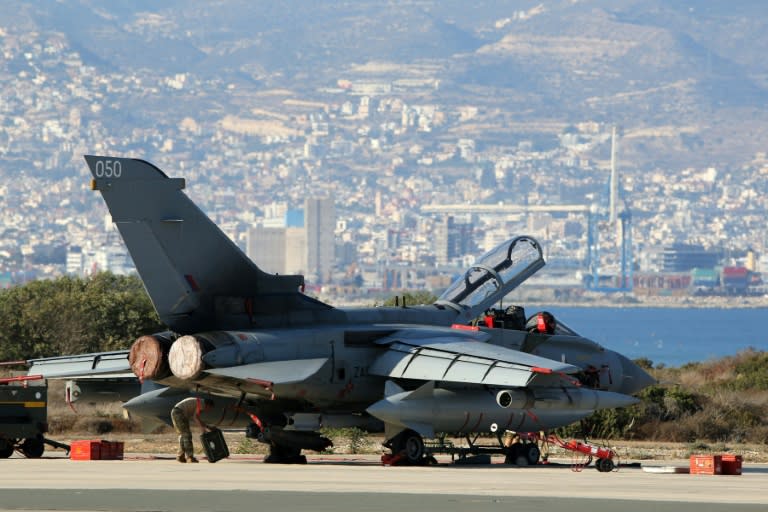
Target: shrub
{"type": "Point", "coordinates": [354, 438]}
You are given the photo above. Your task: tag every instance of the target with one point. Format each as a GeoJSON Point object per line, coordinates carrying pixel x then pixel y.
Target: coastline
{"type": "Point", "coordinates": [535, 300]}
{"type": "Point", "coordinates": [623, 301]}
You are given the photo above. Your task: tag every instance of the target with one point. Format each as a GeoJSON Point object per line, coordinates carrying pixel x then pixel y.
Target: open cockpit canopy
{"type": "Point", "coordinates": [494, 275]}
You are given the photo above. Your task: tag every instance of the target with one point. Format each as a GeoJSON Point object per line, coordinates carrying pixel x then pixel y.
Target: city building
{"type": "Point", "coordinates": [320, 224]}
{"type": "Point", "coordinates": [685, 257]}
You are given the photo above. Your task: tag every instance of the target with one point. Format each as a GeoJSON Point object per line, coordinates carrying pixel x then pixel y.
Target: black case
{"type": "Point", "coordinates": [214, 445]}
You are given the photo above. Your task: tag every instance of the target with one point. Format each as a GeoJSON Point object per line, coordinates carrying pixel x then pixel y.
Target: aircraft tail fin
{"type": "Point", "coordinates": [195, 275]}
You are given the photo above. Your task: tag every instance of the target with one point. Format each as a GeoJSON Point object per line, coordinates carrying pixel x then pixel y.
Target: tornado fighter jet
{"type": "Point", "coordinates": [283, 364]}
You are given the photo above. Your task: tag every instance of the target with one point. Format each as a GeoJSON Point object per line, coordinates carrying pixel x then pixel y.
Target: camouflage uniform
{"type": "Point", "coordinates": [181, 413]}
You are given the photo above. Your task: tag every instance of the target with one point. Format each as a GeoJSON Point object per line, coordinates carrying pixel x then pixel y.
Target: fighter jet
{"type": "Point", "coordinates": [283, 364]}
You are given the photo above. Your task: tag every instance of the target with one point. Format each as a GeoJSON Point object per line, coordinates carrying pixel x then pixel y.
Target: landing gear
{"type": "Point", "coordinates": [413, 445]}
{"type": "Point", "coordinates": [532, 453]}
{"type": "Point", "coordinates": [408, 448]}
{"type": "Point", "coordinates": [523, 454]}
{"type": "Point", "coordinates": [33, 447]}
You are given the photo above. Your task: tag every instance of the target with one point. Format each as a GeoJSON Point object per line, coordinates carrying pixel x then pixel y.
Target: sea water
{"type": "Point", "coordinates": [671, 336]}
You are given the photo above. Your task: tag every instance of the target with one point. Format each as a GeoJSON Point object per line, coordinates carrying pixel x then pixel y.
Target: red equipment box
{"type": "Point", "coordinates": [96, 450]}
{"type": "Point", "coordinates": [85, 450]}
{"type": "Point", "coordinates": [111, 450]}
{"type": "Point", "coordinates": [706, 465]}
{"type": "Point", "coordinates": [732, 464]}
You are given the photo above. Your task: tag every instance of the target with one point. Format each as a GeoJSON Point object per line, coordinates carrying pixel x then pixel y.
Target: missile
{"type": "Point", "coordinates": [157, 404]}
{"type": "Point", "coordinates": [85, 390]}
{"type": "Point", "coordinates": [428, 409]}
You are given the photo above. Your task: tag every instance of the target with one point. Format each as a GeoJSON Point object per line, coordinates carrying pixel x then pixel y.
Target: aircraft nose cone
{"type": "Point", "coordinates": [634, 377]}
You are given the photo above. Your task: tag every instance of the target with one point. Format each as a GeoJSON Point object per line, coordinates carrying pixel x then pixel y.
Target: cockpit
{"type": "Point", "coordinates": [493, 276]}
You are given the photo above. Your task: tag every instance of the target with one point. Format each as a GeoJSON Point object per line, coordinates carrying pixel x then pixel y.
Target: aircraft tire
{"type": "Point", "coordinates": [414, 448]}
{"type": "Point", "coordinates": [532, 453]}
{"type": "Point", "coordinates": [411, 444]}
{"type": "Point", "coordinates": [6, 448]}
{"type": "Point", "coordinates": [513, 453]}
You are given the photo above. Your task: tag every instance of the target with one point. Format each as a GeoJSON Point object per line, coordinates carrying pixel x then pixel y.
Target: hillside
{"type": "Point", "coordinates": [687, 82]}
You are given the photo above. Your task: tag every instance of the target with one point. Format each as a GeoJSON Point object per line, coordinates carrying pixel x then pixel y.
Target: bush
{"type": "Point", "coordinates": [71, 315]}
{"type": "Point", "coordinates": [355, 439]}
{"type": "Point", "coordinates": [644, 363]}
{"type": "Point", "coordinates": [751, 371]}
{"type": "Point", "coordinates": [248, 446]}
{"type": "Point", "coordinates": [723, 400]}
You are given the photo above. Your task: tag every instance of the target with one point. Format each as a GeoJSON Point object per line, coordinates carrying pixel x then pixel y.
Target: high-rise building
{"type": "Point", "coordinates": [452, 239]}
{"type": "Point", "coordinates": [266, 247]}
{"type": "Point", "coordinates": [75, 259]}
{"type": "Point", "coordinates": [290, 244]}
{"type": "Point", "coordinates": [295, 250]}
{"type": "Point", "coordinates": [613, 200]}
{"type": "Point", "coordinates": [684, 257]}
{"type": "Point", "coordinates": [278, 250]}
{"type": "Point", "coordinates": [443, 240]}
{"type": "Point", "coordinates": [320, 223]}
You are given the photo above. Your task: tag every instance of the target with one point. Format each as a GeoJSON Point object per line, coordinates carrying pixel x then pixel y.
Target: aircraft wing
{"type": "Point", "coordinates": [462, 359]}
{"type": "Point", "coordinates": [274, 372]}
{"type": "Point", "coordinates": [98, 365]}
{"type": "Point", "coordinates": [262, 378]}
{"type": "Point", "coordinates": [109, 367]}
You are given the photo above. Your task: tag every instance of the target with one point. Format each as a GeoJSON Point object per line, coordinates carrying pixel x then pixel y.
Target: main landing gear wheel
{"type": "Point", "coordinates": [411, 445]}
{"type": "Point", "coordinates": [532, 453]}
{"type": "Point", "coordinates": [523, 454]}
{"type": "Point", "coordinates": [6, 448]}
{"type": "Point", "coordinates": [33, 447]}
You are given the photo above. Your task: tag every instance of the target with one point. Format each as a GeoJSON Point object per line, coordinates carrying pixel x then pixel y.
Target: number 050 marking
{"type": "Point", "coordinates": [109, 169]}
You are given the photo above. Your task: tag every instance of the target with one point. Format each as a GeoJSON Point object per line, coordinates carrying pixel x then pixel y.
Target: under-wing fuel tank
{"type": "Point", "coordinates": [428, 410]}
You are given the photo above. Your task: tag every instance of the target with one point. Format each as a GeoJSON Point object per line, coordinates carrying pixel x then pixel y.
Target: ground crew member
{"type": "Point", "coordinates": [181, 414]}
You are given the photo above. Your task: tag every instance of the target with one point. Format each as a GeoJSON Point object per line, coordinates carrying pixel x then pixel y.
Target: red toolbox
{"type": "Point", "coordinates": [732, 464]}
{"type": "Point", "coordinates": [85, 450]}
{"type": "Point", "coordinates": [96, 450]}
{"type": "Point", "coordinates": [111, 450]}
{"type": "Point", "coordinates": [706, 465]}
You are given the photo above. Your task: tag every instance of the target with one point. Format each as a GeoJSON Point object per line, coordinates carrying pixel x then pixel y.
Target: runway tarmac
{"type": "Point", "coordinates": [350, 483]}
